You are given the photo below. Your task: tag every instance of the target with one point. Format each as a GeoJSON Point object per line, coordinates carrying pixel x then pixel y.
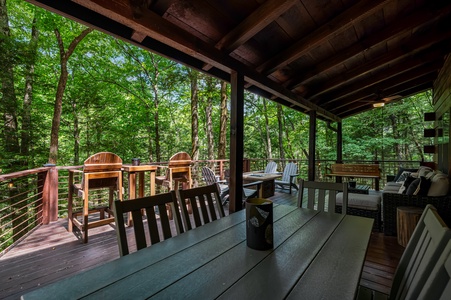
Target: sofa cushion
{"type": "Point", "coordinates": [419, 186]}
{"type": "Point", "coordinates": [400, 170]}
{"type": "Point", "coordinates": [406, 184]}
{"type": "Point", "coordinates": [439, 185]}
{"type": "Point", "coordinates": [403, 176]}
{"type": "Point", "coordinates": [423, 171]}
{"type": "Point", "coordinates": [392, 187]}
{"type": "Point", "coordinates": [361, 201]}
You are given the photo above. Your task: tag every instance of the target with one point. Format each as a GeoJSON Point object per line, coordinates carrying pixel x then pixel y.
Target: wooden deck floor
{"type": "Point", "coordinates": [51, 253]}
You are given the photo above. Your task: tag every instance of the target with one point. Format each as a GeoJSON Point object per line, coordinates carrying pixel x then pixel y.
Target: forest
{"type": "Point", "coordinates": [68, 91]}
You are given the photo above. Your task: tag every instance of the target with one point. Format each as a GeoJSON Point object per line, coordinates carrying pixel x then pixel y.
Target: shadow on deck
{"type": "Point", "coordinates": [51, 253]}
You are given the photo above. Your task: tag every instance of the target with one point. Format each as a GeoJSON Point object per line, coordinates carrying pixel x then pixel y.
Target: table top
{"type": "Point", "coordinates": [352, 175]}
{"type": "Point", "coordinates": [315, 255]}
{"type": "Point", "coordinates": [140, 168]}
{"type": "Point", "coordinates": [261, 176]}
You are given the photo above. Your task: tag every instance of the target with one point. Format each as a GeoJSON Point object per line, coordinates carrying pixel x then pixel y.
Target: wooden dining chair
{"type": "Point", "coordinates": [156, 216]}
{"type": "Point", "coordinates": [438, 284]}
{"type": "Point", "coordinates": [322, 195]}
{"type": "Point", "coordinates": [206, 205]}
{"type": "Point", "coordinates": [290, 172]}
{"type": "Point", "coordinates": [426, 245]}
{"type": "Point", "coordinates": [102, 170]}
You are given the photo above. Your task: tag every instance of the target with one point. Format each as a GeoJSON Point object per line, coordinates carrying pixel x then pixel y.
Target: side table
{"type": "Point", "coordinates": [407, 219]}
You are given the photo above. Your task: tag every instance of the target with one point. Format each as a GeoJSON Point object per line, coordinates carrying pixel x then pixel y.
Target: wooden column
{"type": "Point", "coordinates": [407, 219]}
{"type": "Point", "coordinates": [50, 195]}
{"type": "Point", "coordinates": [339, 148]}
{"type": "Point", "coordinates": [236, 142]}
{"type": "Point", "coordinates": [312, 146]}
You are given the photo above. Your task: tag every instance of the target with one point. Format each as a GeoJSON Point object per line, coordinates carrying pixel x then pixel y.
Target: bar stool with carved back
{"type": "Point", "coordinates": [102, 170]}
{"type": "Point", "coordinates": [178, 171]}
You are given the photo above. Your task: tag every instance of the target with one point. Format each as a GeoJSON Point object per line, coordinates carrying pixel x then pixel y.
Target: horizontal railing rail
{"type": "Point", "coordinates": [38, 196]}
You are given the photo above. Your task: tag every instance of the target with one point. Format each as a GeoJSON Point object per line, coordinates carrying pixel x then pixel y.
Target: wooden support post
{"type": "Point", "coordinates": [312, 146]}
{"type": "Point", "coordinates": [407, 219]}
{"type": "Point", "coordinates": [50, 195]}
{"type": "Point", "coordinates": [236, 142]}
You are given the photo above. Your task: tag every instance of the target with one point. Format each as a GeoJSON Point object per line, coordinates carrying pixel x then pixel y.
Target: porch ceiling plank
{"type": "Point", "coordinates": [359, 107]}
{"type": "Point", "coordinates": [399, 28]}
{"type": "Point", "coordinates": [399, 71]}
{"type": "Point", "coordinates": [160, 29]}
{"type": "Point", "coordinates": [340, 23]}
{"type": "Point", "coordinates": [391, 86]}
{"type": "Point", "coordinates": [402, 90]}
{"type": "Point", "coordinates": [259, 19]}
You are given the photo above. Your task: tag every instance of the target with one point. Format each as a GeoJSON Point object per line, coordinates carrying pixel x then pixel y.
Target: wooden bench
{"type": "Point", "coordinates": [371, 171]}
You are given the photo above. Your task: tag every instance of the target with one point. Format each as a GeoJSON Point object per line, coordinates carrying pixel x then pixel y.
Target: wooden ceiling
{"type": "Point", "coordinates": [337, 57]}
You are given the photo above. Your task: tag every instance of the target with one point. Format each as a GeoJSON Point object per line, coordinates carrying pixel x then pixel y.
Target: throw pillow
{"type": "Point", "coordinates": [400, 170]}
{"type": "Point", "coordinates": [406, 184]}
{"type": "Point", "coordinates": [419, 186]}
{"type": "Point", "coordinates": [403, 176]}
{"type": "Point", "coordinates": [439, 185]}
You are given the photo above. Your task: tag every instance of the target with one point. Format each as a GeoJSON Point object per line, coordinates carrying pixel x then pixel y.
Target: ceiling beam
{"type": "Point", "coordinates": [254, 23]}
{"type": "Point", "coordinates": [398, 28]}
{"type": "Point", "coordinates": [376, 77]}
{"type": "Point", "coordinates": [407, 50]}
{"type": "Point", "coordinates": [342, 22]}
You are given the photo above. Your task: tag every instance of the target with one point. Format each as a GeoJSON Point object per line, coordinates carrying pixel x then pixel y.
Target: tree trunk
{"type": "Point", "coordinates": [268, 137]}
{"type": "Point", "coordinates": [28, 95]}
{"type": "Point", "coordinates": [223, 122]}
{"type": "Point", "coordinates": [64, 58]}
{"type": "Point", "coordinates": [194, 119]}
{"type": "Point", "coordinates": [280, 123]}
{"type": "Point", "coordinates": [9, 101]}
{"type": "Point", "coordinates": [209, 121]}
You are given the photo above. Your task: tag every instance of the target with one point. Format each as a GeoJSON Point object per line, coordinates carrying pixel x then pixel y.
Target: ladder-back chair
{"type": "Point", "coordinates": [210, 178]}
{"type": "Point", "coordinates": [158, 221]}
{"type": "Point", "coordinates": [322, 195]}
{"type": "Point", "coordinates": [206, 205]}
{"type": "Point", "coordinates": [102, 170]}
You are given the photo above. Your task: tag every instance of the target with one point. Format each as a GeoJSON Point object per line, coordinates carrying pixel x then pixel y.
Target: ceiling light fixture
{"type": "Point", "coordinates": [379, 104]}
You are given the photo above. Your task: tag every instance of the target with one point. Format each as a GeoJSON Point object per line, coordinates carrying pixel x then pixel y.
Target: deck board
{"type": "Point", "coordinates": [51, 253]}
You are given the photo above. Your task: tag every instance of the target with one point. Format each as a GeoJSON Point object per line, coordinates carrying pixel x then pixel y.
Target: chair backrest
{"type": "Point", "coordinates": [322, 195]}
{"type": "Point", "coordinates": [205, 204]}
{"type": "Point", "coordinates": [271, 167]}
{"type": "Point", "coordinates": [290, 169]}
{"type": "Point", "coordinates": [158, 223]}
{"type": "Point", "coordinates": [208, 175]}
{"type": "Point", "coordinates": [179, 167]}
{"type": "Point", "coordinates": [438, 284]}
{"type": "Point", "coordinates": [425, 246]}
{"type": "Point", "coordinates": [107, 166]}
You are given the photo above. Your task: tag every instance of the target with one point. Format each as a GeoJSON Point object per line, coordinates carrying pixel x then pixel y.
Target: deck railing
{"type": "Point", "coordinates": [38, 196]}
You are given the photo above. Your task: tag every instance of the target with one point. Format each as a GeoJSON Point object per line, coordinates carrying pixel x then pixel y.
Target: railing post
{"type": "Point", "coordinates": [50, 195]}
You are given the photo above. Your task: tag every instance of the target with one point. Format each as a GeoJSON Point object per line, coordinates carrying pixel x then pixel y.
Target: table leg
{"type": "Point", "coordinates": [141, 184]}
{"type": "Point", "coordinates": [152, 183]}
{"type": "Point", "coordinates": [131, 193]}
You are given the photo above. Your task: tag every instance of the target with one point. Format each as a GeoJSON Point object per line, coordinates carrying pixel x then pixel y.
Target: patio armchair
{"type": "Point", "coordinates": [271, 167]}
{"type": "Point", "coordinates": [100, 171]}
{"type": "Point", "coordinates": [210, 178]}
{"type": "Point", "coordinates": [290, 172]}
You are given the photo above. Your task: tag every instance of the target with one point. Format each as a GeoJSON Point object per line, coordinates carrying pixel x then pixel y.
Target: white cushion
{"type": "Point", "coordinates": [392, 187]}
{"type": "Point", "coordinates": [439, 185]}
{"type": "Point", "coordinates": [361, 201]}
{"type": "Point", "coordinates": [423, 171]}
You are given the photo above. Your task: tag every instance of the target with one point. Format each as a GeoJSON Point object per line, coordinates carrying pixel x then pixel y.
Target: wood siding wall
{"type": "Point", "coordinates": [442, 105]}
